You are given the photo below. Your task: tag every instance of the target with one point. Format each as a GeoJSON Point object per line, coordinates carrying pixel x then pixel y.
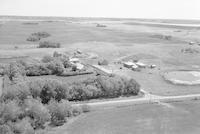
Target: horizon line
{"type": "Point", "coordinates": [46, 16]}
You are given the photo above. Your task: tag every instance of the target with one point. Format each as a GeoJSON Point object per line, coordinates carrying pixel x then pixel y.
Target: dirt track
{"type": "Point", "coordinates": [146, 99]}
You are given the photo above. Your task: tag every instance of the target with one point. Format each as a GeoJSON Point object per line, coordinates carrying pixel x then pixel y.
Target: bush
{"type": "Point", "coordinates": [85, 108]}
{"type": "Point", "coordinates": [75, 73]}
{"type": "Point", "coordinates": [110, 86]}
{"type": "Point", "coordinates": [14, 71]}
{"type": "Point", "coordinates": [59, 111]}
{"type": "Point", "coordinates": [38, 113]}
{"type": "Point", "coordinates": [33, 38]}
{"type": "Point", "coordinates": [132, 88]}
{"type": "Point", "coordinates": [37, 70]}
{"type": "Point", "coordinates": [10, 111]}
{"type": "Point", "coordinates": [117, 86]}
{"type": "Point", "coordinates": [76, 110]}
{"type": "Point", "coordinates": [23, 127]}
{"type": "Point", "coordinates": [37, 36]}
{"type": "Point", "coordinates": [18, 91]}
{"type": "Point", "coordinates": [48, 89]}
{"type": "Point", "coordinates": [48, 44]}
{"type": "Point", "coordinates": [56, 67]}
{"type": "Point", "coordinates": [102, 62]}
{"type": "Point", "coordinates": [5, 129]}
{"type": "Point", "coordinates": [41, 34]}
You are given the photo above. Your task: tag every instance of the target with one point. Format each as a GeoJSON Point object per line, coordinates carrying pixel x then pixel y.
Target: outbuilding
{"type": "Point", "coordinates": [141, 65]}
{"type": "Point", "coordinates": [129, 64]}
{"type": "Point", "coordinates": [74, 60]}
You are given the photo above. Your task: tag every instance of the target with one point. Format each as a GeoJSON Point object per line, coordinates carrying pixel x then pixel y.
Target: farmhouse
{"type": "Point", "coordinates": [129, 64]}
{"type": "Point", "coordinates": [76, 62]}
{"type": "Point", "coordinates": [79, 66]}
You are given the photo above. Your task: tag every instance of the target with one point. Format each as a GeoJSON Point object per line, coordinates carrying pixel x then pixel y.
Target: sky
{"type": "Point", "coordinates": [164, 9]}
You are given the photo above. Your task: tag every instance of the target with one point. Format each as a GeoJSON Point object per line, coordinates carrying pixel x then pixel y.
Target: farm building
{"type": "Point", "coordinates": [134, 67]}
{"type": "Point", "coordinates": [74, 60]}
{"type": "Point", "coordinates": [191, 43]}
{"type": "Point", "coordinates": [141, 65]}
{"type": "Point", "coordinates": [153, 66]}
{"type": "Point", "coordinates": [79, 66]}
{"type": "Point", "coordinates": [129, 64]}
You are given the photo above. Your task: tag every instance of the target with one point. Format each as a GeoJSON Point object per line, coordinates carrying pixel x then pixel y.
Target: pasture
{"type": "Point", "coordinates": [159, 44]}
{"type": "Point", "coordinates": [174, 118]}
{"type": "Point", "coordinates": [150, 44]}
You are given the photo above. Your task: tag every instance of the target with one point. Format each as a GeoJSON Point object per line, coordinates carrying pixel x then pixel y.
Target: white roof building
{"type": "Point", "coordinates": [140, 64]}
{"type": "Point", "coordinates": [129, 64]}
{"type": "Point", "coordinates": [79, 66]}
{"type": "Point", "coordinates": [134, 66]}
{"type": "Point", "coordinates": [74, 60]}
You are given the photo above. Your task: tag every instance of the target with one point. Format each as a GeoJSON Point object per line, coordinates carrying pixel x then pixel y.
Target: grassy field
{"type": "Point", "coordinates": [120, 38]}
{"type": "Point", "coordinates": [174, 118]}
{"type": "Point", "coordinates": [112, 42]}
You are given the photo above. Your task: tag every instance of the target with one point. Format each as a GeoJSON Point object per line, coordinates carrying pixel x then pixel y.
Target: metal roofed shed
{"type": "Point", "coordinates": [74, 60]}
{"type": "Point", "coordinates": [129, 64]}
{"type": "Point", "coordinates": [140, 64]}
{"type": "Point", "coordinates": [79, 66]}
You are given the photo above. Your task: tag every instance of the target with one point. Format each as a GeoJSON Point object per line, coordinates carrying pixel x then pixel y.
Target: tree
{"type": "Point", "coordinates": [103, 62]}
{"type": "Point", "coordinates": [56, 66]}
{"type": "Point", "coordinates": [38, 113]}
{"type": "Point", "coordinates": [15, 72]}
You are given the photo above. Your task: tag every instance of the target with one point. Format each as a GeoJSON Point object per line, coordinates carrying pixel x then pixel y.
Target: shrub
{"type": "Point", "coordinates": [48, 89]}
{"type": "Point", "coordinates": [37, 36]}
{"type": "Point", "coordinates": [66, 63]}
{"type": "Point", "coordinates": [102, 62]}
{"type": "Point", "coordinates": [37, 70]}
{"type": "Point", "coordinates": [23, 127]}
{"type": "Point", "coordinates": [48, 44]}
{"type": "Point", "coordinates": [132, 87]}
{"type": "Point", "coordinates": [41, 34]}
{"type": "Point", "coordinates": [6, 82]}
{"type": "Point", "coordinates": [10, 111]}
{"type": "Point", "coordinates": [59, 111]}
{"type": "Point", "coordinates": [18, 91]}
{"type": "Point", "coordinates": [75, 73]}
{"type": "Point", "coordinates": [80, 91]}
{"type": "Point", "coordinates": [76, 110]}
{"type": "Point", "coordinates": [109, 86]}
{"type": "Point", "coordinates": [14, 71]}
{"type": "Point", "coordinates": [5, 129]}
{"type": "Point", "coordinates": [85, 108]}
{"type": "Point", "coordinates": [37, 112]}
{"type": "Point", "coordinates": [56, 67]}
{"type": "Point", "coordinates": [33, 38]}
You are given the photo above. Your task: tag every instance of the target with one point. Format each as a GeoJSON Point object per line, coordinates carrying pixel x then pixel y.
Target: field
{"type": "Point", "coordinates": [169, 44]}
{"type": "Point", "coordinates": [174, 118]}
{"type": "Point", "coordinates": [120, 37]}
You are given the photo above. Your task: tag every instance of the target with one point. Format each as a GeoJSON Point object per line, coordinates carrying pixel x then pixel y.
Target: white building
{"type": "Point", "coordinates": [129, 64]}
{"type": "Point", "coordinates": [140, 64]}
{"type": "Point", "coordinates": [74, 60]}
{"type": "Point", "coordinates": [79, 66]}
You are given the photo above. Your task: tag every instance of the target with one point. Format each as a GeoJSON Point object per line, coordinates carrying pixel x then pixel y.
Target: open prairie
{"type": "Point", "coordinates": [151, 41]}
{"type": "Point", "coordinates": [174, 118]}
{"type": "Point", "coordinates": [155, 46]}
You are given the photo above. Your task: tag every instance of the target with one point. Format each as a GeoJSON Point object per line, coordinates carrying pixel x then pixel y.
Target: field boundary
{"type": "Point", "coordinates": [146, 99]}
